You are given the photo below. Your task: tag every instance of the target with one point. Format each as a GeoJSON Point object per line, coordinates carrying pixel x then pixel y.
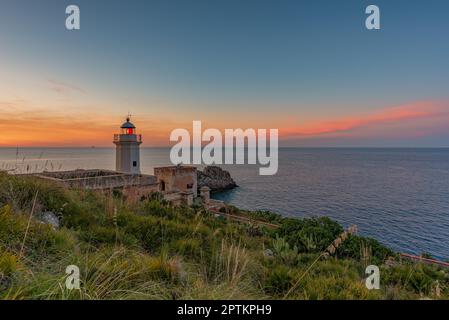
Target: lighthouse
{"type": "Point", "coordinates": [127, 156]}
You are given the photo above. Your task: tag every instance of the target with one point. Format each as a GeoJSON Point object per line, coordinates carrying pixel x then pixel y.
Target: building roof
{"type": "Point", "coordinates": [127, 125]}
{"type": "Point", "coordinates": [174, 168]}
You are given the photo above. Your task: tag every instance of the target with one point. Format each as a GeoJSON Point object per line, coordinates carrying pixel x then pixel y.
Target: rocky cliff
{"type": "Point", "coordinates": [216, 179]}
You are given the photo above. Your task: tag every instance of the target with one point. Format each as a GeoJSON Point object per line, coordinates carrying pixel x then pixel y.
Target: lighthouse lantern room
{"type": "Point", "coordinates": [127, 148]}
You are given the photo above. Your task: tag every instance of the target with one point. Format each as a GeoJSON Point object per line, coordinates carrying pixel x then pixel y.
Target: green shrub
{"type": "Point", "coordinates": [418, 278]}
{"type": "Point", "coordinates": [426, 255]}
{"type": "Point", "coordinates": [278, 280]}
{"type": "Point", "coordinates": [20, 191]}
{"type": "Point", "coordinates": [157, 208]}
{"type": "Point", "coordinates": [282, 251]}
{"type": "Point", "coordinates": [309, 235]}
{"type": "Point", "coordinates": [189, 246]}
{"type": "Point", "coordinates": [100, 234]}
{"type": "Point", "coordinates": [334, 287]}
{"type": "Point", "coordinates": [41, 239]}
{"type": "Point", "coordinates": [354, 247]}
{"type": "Point", "coordinates": [8, 263]}
{"type": "Point", "coordinates": [150, 249]}
{"type": "Point", "coordinates": [163, 267]}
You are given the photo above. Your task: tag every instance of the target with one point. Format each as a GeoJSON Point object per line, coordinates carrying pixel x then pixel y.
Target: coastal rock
{"type": "Point", "coordinates": [216, 179]}
{"type": "Point", "coordinates": [49, 218]}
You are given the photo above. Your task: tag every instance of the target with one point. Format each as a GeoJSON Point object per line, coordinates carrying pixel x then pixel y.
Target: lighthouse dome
{"type": "Point", "coordinates": [128, 125]}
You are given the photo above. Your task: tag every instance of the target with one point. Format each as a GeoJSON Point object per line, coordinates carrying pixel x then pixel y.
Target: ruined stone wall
{"type": "Point", "coordinates": [179, 198]}
{"type": "Point", "coordinates": [99, 179]}
{"type": "Point", "coordinates": [177, 178]}
{"type": "Point", "coordinates": [135, 193]}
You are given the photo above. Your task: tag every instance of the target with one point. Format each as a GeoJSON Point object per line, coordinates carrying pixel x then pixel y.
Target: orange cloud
{"type": "Point", "coordinates": [22, 127]}
{"type": "Point", "coordinates": [25, 125]}
{"type": "Point", "coordinates": [397, 114]}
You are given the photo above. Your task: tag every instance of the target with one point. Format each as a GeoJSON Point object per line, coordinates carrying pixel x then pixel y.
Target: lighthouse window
{"type": "Point", "coordinates": [134, 163]}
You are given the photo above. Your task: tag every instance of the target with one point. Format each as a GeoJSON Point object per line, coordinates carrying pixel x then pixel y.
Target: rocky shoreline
{"type": "Point", "coordinates": [216, 179]}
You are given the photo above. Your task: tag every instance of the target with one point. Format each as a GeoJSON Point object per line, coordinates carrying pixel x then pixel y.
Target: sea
{"type": "Point", "coordinates": [397, 196]}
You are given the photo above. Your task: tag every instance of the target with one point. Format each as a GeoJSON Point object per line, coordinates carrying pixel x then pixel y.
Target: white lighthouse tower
{"type": "Point", "coordinates": [128, 149]}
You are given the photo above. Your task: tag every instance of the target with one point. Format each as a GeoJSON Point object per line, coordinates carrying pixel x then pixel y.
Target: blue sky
{"type": "Point", "coordinates": [275, 59]}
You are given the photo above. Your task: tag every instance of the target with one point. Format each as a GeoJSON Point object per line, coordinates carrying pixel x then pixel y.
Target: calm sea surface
{"type": "Point", "coordinates": [398, 196]}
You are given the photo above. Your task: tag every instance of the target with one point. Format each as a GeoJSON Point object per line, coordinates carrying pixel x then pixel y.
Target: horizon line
{"type": "Point", "coordinates": [280, 147]}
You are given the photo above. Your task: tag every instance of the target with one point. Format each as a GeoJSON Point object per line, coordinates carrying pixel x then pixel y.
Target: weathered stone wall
{"type": "Point", "coordinates": [179, 198]}
{"type": "Point", "coordinates": [135, 193]}
{"type": "Point", "coordinates": [177, 179]}
{"type": "Point", "coordinates": [99, 179]}
{"type": "Point", "coordinates": [76, 174]}
{"type": "Point", "coordinates": [180, 183]}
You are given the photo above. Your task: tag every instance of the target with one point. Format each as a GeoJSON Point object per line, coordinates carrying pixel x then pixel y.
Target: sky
{"type": "Point", "coordinates": [308, 68]}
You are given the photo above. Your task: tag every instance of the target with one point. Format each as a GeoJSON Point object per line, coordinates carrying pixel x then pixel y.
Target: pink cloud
{"type": "Point", "coordinates": [391, 115]}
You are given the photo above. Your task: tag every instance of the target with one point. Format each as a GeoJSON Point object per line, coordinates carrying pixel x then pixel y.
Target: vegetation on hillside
{"type": "Point", "coordinates": [150, 250]}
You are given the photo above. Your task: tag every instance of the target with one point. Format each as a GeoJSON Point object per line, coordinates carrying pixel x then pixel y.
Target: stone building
{"type": "Point", "coordinates": [131, 185]}
{"type": "Point", "coordinates": [177, 179]}
{"type": "Point", "coordinates": [178, 184]}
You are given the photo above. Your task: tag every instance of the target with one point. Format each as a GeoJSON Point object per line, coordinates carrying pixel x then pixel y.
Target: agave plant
{"type": "Point", "coordinates": [283, 250]}
{"type": "Point", "coordinates": [308, 242]}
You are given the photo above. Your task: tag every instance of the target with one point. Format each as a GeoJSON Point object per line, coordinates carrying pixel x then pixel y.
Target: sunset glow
{"type": "Point", "coordinates": [61, 88]}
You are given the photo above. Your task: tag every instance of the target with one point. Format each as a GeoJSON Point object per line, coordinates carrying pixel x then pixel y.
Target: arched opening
{"type": "Point", "coordinates": [162, 185]}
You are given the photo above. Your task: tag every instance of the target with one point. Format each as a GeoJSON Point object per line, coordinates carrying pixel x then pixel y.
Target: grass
{"type": "Point", "coordinates": [151, 250]}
